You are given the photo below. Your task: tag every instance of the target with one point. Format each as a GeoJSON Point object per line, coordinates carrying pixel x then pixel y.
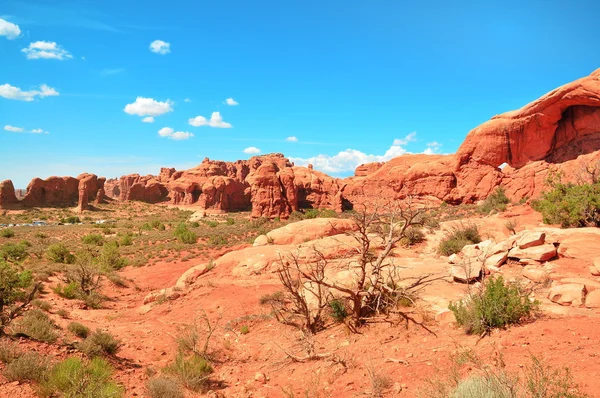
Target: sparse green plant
{"type": "Point", "coordinates": [217, 240]}
{"type": "Point", "coordinates": [110, 257]}
{"type": "Point", "coordinates": [267, 299]}
{"type": "Point", "coordinates": [412, 236]}
{"type": "Point", "coordinates": [244, 329]}
{"type": "Point", "coordinates": [30, 366]}
{"type": "Point", "coordinates": [496, 201]}
{"type": "Point", "coordinates": [68, 291]}
{"type": "Point", "coordinates": [164, 387]}
{"type": "Point", "coordinates": [194, 224]}
{"type": "Point", "coordinates": [62, 313]}
{"type": "Point", "coordinates": [338, 310]}
{"type": "Point", "coordinates": [569, 204]}
{"type": "Point", "coordinates": [496, 305]}
{"type": "Point", "coordinates": [58, 253]}
{"type": "Point", "coordinates": [230, 221]}
{"type": "Point", "coordinates": [75, 378]}
{"type": "Point", "coordinates": [193, 371]}
{"type": "Point", "coordinates": [36, 325]}
{"type": "Point", "coordinates": [9, 351]}
{"type": "Point", "coordinates": [458, 237]}
{"type": "Point", "coordinates": [71, 220]}
{"type": "Point", "coordinates": [42, 305]}
{"type": "Point", "coordinates": [93, 239]}
{"type": "Point", "coordinates": [126, 240]}
{"type": "Point", "coordinates": [7, 233]}
{"type": "Point", "coordinates": [543, 381]}
{"type": "Point", "coordinates": [511, 226]}
{"type": "Point", "coordinates": [13, 252]}
{"type": "Point", "coordinates": [79, 330]}
{"type": "Point", "coordinates": [41, 235]}
{"type": "Point", "coordinates": [99, 343]}
{"type": "Point", "coordinates": [185, 235]}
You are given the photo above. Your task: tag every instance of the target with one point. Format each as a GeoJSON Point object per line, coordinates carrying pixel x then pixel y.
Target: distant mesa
{"type": "Point", "coordinates": [558, 132]}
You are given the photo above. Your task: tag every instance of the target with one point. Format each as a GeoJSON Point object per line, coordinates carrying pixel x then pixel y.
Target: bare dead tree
{"type": "Point", "coordinates": [295, 310]}
{"type": "Point", "coordinates": [589, 173]}
{"type": "Point", "coordinates": [371, 292]}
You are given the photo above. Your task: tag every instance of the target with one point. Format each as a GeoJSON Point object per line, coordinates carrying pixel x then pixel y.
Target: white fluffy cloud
{"type": "Point", "coordinates": [9, 29]}
{"type": "Point", "coordinates": [168, 132]}
{"type": "Point", "coordinates": [292, 139]}
{"type": "Point", "coordinates": [187, 100]}
{"type": "Point", "coordinates": [348, 160]}
{"type": "Point", "coordinates": [252, 150]}
{"type": "Point", "coordinates": [46, 50]}
{"type": "Point", "coordinates": [11, 92]}
{"type": "Point", "coordinates": [432, 148]}
{"type": "Point", "coordinates": [231, 102]}
{"type": "Point", "coordinates": [148, 107]}
{"type": "Point", "coordinates": [148, 119]}
{"type": "Point", "coordinates": [160, 47]}
{"type": "Point", "coordinates": [14, 129]}
{"type": "Point", "coordinates": [216, 120]}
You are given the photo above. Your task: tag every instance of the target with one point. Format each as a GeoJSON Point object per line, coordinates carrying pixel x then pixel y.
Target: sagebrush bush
{"type": "Point", "coordinates": [9, 351]}
{"type": "Point", "coordinates": [110, 257]}
{"type": "Point", "coordinates": [13, 252]}
{"type": "Point", "coordinates": [41, 304]}
{"type": "Point", "coordinates": [58, 253]}
{"type": "Point", "coordinates": [458, 237]}
{"type": "Point", "coordinates": [99, 343]}
{"type": "Point", "coordinates": [164, 387]}
{"type": "Point", "coordinates": [185, 235]}
{"type": "Point", "coordinates": [7, 233]}
{"type": "Point", "coordinates": [93, 239]}
{"type": "Point", "coordinates": [276, 297]}
{"type": "Point", "coordinates": [30, 366]}
{"type": "Point", "coordinates": [79, 330]}
{"type": "Point", "coordinates": [412, 236]}
{"type": "Point", "coordinates": [36, 325]}
{"type": "Point", "coordinates": [496, 201]}
{"type": "Point", "coordinates": [193, 372]}
{"type": "Point", "coordinates": [76, 378]}
{"type": "Point", "coordinates": [68, 291]}
{"type": "Point", "coordinates": [496, 305]}
{"type": "Point", "coordinates": [570, 205]}
{"type": "Point", "coordinates": [126, 240]}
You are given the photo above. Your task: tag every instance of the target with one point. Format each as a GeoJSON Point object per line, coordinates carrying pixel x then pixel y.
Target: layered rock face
{"type": "Point", "coordinates": [559, 131]}
{"type": "Point", "coordinates": [55, 192]}
{"type": "Point", "coordinates": [268, 185]}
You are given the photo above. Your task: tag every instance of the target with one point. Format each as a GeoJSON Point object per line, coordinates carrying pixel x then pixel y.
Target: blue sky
{"type": "Point", "coordinates": [352, 81]}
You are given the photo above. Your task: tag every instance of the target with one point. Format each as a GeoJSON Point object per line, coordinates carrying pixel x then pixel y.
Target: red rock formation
{"type": "Point", "coordinates": [53, 191]}
{"type": "Point", "coordinates": [8, 198]}
{"type": "Point", "coordinates": [90, 188]}
{"type": "Point", "coordinates": [551, 133]}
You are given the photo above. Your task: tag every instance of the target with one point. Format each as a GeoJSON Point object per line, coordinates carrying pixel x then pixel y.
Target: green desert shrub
{"type": "Point", "coordinates": [9, 351]}
{"type": "Point", "coordinates": [93, 239]}
{"type": "Point", "coordinates": [412, 236]}
{"type": "Point", "coordinates": [30, 366]}
{"type": "Point", "coordinates": [78, 329]}
{"type": "Point", "coordinates": [41, 304]}
{"type": "Point", "coordinates": [338, 310]}
{"type": "Point", "coordinates": [185, 235]}
{"type": "Point", "coordinates": [217, 240]}
{"type": "Point", "coordinates": [70, 220]}
{"type": "Point", "coordinates": [58, 253]}
{"type": "Point", "coordinates": [458, 237]}
{"type": "Point", "coordinates": [126, 240]}
{"type": "Point", "coordinates": [7, 233]}
{"type": "Point", "coordinates": [544, 381]}
{"type": "Point", "coordinates": [77, 378]}
{"type": "Point", "coordinates": [570, 205]}
{"type": "Point", "coordinates": [13, 252]}
{"type": "Point", "coordinates": [244, 329]}
{"type": "Point", "coordinates": [496, 305]}
{"type": "Point", "coordinates": [68, 291]}
{"type": "Point", "coordinates": [193, 372]}
{"type": "Point", "coordinates": [110, 257]}
{"type": "Point", "coordinates": [496, 201]}
{"type": "Point", "coordinates": [164, 387]}
{"type": "Point", "coordinates": [36, 325]}
{"type": "Point", "coordinates": [99, 343]}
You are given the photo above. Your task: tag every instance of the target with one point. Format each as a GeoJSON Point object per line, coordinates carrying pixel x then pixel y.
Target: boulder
{"type": "Point", "coordinates": [535, 274]}
{"type": "Point", "coordinates": [306, 230]}
{"type": "Point", "coordinates": [592, 300]}
{"type": "Point", "coordinates": [466, 273]}
{"type": "Point", "coordinates": [539, 253]}
{"type": "Point", "coordinates": [590, 285]}
{"type": "Point", "coordinates": [567, 294]}
{"type": "Point", "coordinates": [531, 239]}
{"type": "Point", "coordinates": [453, 259]}
{"type": "Point", "coordinates": [496, 260]}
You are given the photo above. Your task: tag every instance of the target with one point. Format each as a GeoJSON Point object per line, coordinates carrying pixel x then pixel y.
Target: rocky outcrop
{"type": "Point", "coordinates": [8, 198]}
{"type": "Point", "coordinates": [55, 192]}
{"type": "Point", "coordinates": [91, 188]}
{"type": "Point", "coordinates": [559, 131]}
{"type": "Point", "coordinates": [269, 185]}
